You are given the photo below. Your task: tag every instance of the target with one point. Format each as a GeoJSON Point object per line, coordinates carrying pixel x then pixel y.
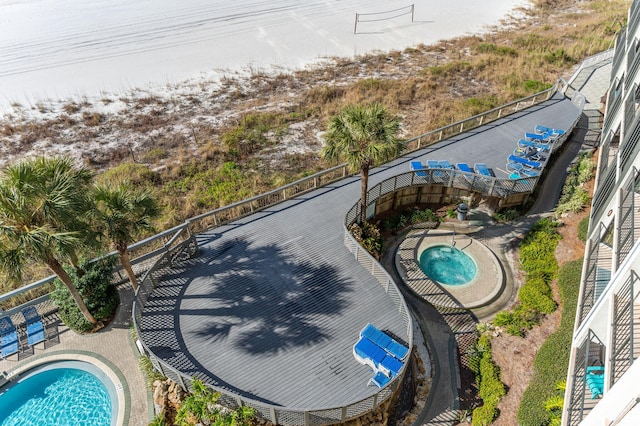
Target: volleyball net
{"type": "Point", "coordinates": [383, 16]}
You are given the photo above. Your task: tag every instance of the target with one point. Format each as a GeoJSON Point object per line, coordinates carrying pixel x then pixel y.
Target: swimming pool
{"type": "Point", "coordinates": [60, 393]}
{"type": "Point", "coordinates": [448, 265]}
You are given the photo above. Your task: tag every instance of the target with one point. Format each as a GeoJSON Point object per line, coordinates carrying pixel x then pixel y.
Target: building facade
{"type": "Point", "coordinates": [603, 381]}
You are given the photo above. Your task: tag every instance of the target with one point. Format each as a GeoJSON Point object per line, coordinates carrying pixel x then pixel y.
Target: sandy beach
{"type": "Point", "coordinates": [60, 49]}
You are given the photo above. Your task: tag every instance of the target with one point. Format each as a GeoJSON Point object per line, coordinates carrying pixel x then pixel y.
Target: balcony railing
{"type": "Point", "coordinates": [623, 339]}
{"type": "Point", "coordinates": [619, 55]}
{"type": "Point", "coordinates": [590, 353]}
{"type": "Point", "coordinates": [598, 270]}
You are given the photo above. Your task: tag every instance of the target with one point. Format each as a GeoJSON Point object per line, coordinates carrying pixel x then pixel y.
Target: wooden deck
{"type": "Point", "coordinates": [273, 304]}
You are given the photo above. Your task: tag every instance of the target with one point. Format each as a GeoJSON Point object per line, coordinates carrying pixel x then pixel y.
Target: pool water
{"type": "Point", "coordinates": [448, 265]}
{"type": "Point", "coordinates": [56, 397]}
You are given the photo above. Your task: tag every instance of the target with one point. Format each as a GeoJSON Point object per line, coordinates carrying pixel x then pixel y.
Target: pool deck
{"type": "Point", "coordinates": [484, 288]}
{"type": "Point", "coordinates": [111, 348]}
{"type": "Point", "coordinates": [490, 144]}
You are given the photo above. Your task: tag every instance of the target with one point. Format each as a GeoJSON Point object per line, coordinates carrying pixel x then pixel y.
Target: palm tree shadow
{"type": "Point", "coordinates": [261, 300]}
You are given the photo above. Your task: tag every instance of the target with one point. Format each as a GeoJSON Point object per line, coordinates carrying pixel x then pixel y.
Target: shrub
{"type": "Point", "coordinates": [426, 215]}
{"type": "Point", "coordinates": [368, 236]}
{"type": "Point", "coordinates": [506, 215]}
{"type": "Point", "coordinates": [535, 299]}
{"type": "Point", "coordinates": [149, 371]}
{"type": "Point", "coordinates": [100, 296]}
{"type": "Point", "coordinates": [491, 389]}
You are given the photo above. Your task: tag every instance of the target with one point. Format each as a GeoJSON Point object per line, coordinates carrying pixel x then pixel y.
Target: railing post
{"type": "Point", "coordinates": [284, 194]}
{"type": "Point", "coordinates": [274, 419]}
{"type": "Point", "coordinates": [306, 418]}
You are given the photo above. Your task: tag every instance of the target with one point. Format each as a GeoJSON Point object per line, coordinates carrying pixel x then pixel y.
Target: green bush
{"type": "Point", "coordinates": [531, 297]}
{"type": "Point", "coordinates": [484, 415]}
{"type": "Point", "coordinates": [490, 388]}
{"type": "Point", "coordinates": [506, 215]}
{"type": "Point", "coordinates": [149, 371]}
{"type": "Point", "coordinates": [427, 215]}
{"type": "Point", "coordinates": [100, 296]}
{"type": "Point", "coordinates": [368, 236]}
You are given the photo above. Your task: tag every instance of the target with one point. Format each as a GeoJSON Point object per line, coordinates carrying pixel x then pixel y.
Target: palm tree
{"type": "Point", "coordinates": [42, 206]}
{"type": "Point", "coordinates": [122, 213]}
{"type": "Point", "coordinates": [363, 137]}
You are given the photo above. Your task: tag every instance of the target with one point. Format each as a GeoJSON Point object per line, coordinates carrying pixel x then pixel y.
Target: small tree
{"type": "Point", "coordinates": [363, 137]}
{"type": "Point", "coordinates": [121, 213]}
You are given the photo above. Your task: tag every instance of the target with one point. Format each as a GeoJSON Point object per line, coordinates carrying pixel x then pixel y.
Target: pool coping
{"type": "Point", "coordinates": [107, 367]}
{"type": "Point", "coordinates": [482, 290]}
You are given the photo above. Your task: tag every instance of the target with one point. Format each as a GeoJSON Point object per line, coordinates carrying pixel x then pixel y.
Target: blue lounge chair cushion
{"type": "Point", "coordinates": [417, 165]}
{"type": "Point", "coordinates": [368, 350]}
{"type": "Point", "coordinates": [390, 366]}
{"type": "Point", "coordinates": [9, 343]}
{"type": "Point", "coordinates": [35, 333]}
{"type": "Point", "coordinates": [384, 341]}
{"type": "Point", "coordinates": [595, 380]}
{"type": "Point", "coordinates": [525, 162]}
{"type": "Point", "coordinates": [379, 379]}
{"type": "Point", "coordinates": [444, 164]}
{"type": "Point", "coordinates": [433, 164]}
{"type": "Point", "coordinates": [540, 146]}
{"type": "Point", "coordinates": [481, 168]}
{"type": "Point", "coordinates": [544, 129]}
{"type": "Point", "coordinates": [464, 167]}
{"type": "Point", "coordinates": [35, 328]}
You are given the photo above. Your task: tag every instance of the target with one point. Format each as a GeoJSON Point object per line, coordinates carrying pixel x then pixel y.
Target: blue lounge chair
{"type": "Point", "coordinates": [433, 164]}
{"type": "Point", "coordinates": [527, 163]}
{"type": "Point", "coordinates": [368, 353]}
{"type": "Point", "coordinates": [540, 146]}
{"type": "Point", "coordinates": [35, 328]}
{"type": "Point", "coordinates": [544, 129]}
{"type": "Point", "coordinates": [386, 342]}
{"type": "Point", "coordinates": [417, 165]}
{"type": "Point", "coordinates": [482, 169]}
{"type": "Point", "coordinates": [390, 366]}
{"type": "Point", "coordinates": [541, 137]}
{"type": "Point", "coordinates": [444, 164]}
{"type": "Point", "coordinates": [9, 341]}
{"type": "Point", "coordinates": [517, 171]}
{"type": "Point", "coordinates": [464, 167]}
{"type": "Point", "coordinates": [530, 153]}
{"type": "Point", "coordinates": [379, 379]}
{"type": "Point", "coordinates": [595, 380]}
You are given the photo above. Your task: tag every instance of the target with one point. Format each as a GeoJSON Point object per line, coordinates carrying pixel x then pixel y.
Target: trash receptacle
{"type": "Point", "coordinates": [462, 211]}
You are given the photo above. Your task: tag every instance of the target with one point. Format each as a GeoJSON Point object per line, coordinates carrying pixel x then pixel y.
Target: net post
{"type": "Point", "coordinates": [413, 5]}
{"type": "Point", "coordinates": [355, 25]}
